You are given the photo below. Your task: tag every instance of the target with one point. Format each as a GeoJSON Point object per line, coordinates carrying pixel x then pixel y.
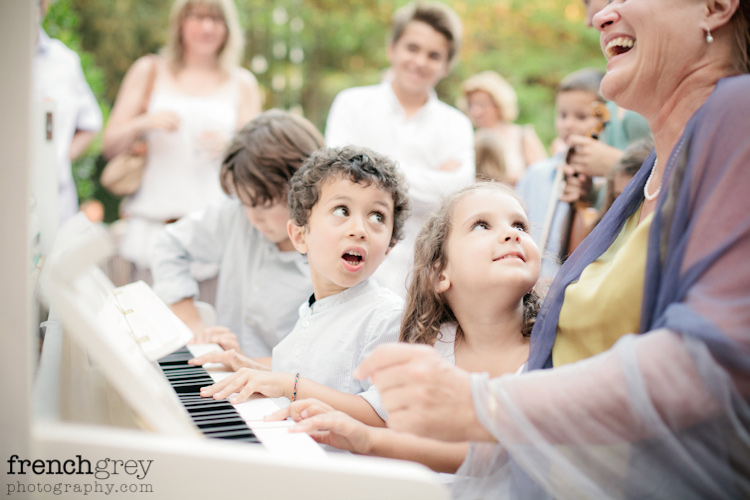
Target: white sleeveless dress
{"type": "Point", "coordinates": [181, 175]}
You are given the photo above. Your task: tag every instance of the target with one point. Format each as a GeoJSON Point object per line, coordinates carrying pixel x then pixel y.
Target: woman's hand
{"type": "Point", "coordinates": [231, 359]}
{"type": "Point", "coordinates": [423, 393]}
{"type": "Point", "coordinates": [327, 426]}
{"type": "Point", "coordinates": [246, 382]}
{"type": "Point", "coordinates": [211, 144]}
{"type": "Point", "coordinates": [168, 121]}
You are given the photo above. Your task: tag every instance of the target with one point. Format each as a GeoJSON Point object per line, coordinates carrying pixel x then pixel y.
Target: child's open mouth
{"type": "Point", "coordinates": [353, 260]}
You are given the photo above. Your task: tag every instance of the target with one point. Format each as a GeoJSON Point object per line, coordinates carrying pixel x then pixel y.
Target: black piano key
{"type": "Point", "coordinates": [209, 408]}
{"type": "Point", "coordinates": [219, 427]}
{"type": "Point", "coordinates": [231, 434]}
{"type": "Point", "coordinates": [212, 419]}
{"type": "Point", "coordinates": [210, 413]}
{"type": "Point", "coordinates": [216, 418]}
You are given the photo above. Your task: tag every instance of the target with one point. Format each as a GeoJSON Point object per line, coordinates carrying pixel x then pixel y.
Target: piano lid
{"type": "Point", "coordinates": [120, 328]}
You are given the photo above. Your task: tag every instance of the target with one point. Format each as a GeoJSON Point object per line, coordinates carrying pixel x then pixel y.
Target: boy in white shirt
{"type": "Point", "coordinates": [262, 278]}
{"type": "Point", "coordinates": [348, 207]}
{"type": "Point", "coordinates": [402, 118]}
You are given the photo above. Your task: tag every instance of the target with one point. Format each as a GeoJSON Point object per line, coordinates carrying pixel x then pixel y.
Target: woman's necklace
{"type": "Point", "coordinates": [652, 197]}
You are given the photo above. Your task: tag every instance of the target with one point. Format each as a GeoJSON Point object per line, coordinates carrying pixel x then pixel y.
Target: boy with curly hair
{"type": "Point", "coordinates": [348, 207]}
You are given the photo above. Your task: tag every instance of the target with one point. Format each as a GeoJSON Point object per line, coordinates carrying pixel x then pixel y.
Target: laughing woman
{"type": "Point", "coordinates": [186, 103]}
{"type": "Point", "coordinates": [650, 316]}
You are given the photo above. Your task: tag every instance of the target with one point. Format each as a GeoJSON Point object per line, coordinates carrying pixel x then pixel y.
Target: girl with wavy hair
{"type": "Point", "coordinates": [471, 298]}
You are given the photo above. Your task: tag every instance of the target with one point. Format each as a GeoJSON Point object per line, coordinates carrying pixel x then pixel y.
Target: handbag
{"type": "Point", "coordinates": [122, 174]}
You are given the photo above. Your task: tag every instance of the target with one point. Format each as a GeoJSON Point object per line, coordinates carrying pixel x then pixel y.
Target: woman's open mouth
{"type": "Point", "coordinates": [618, 46]}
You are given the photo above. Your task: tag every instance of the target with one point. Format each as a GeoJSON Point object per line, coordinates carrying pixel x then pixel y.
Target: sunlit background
{"type": "Point", "coordinates": [304, 52]}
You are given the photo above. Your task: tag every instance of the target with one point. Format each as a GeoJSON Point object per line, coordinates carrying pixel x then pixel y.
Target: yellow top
{"type": "Point", "coordinates": [605, 303]}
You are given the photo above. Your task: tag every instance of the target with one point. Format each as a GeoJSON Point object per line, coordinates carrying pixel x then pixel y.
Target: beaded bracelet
{"type": "Point", "coordinates": [296, 381]}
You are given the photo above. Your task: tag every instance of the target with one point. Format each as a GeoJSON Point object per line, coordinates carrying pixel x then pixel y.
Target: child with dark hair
{"type": "Point", "coordinates": [348, 207]}
{"type": "Point", "coordinates": [472, 299]}
{"type": "Point", "coordinates": [262, 279]}
{"type": "Point", "coordinates": [625, 168]}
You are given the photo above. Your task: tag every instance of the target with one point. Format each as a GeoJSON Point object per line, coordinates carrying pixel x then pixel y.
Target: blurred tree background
{"type": "Point", "coordinates": [304, 52]}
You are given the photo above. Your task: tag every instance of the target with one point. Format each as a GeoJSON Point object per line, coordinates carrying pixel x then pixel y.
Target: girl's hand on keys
{"type": "Point", "coordinates": [327, 426]}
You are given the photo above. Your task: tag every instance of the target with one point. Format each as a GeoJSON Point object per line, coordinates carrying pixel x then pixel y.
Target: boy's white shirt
{"type": "Point", "coordinates": [372, 117]}
{"type": "Point", "coordinates": [260, 287]}
{"type": "Point", "coordinates": [334, 335]}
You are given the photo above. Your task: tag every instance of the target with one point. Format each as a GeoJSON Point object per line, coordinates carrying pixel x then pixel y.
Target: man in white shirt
{"type": "Point", "coordinates": [260, 286]}
{"type": "Point", "coordinates": [58, 77]}
{"type": "Point", "coordinates": [402, 118]}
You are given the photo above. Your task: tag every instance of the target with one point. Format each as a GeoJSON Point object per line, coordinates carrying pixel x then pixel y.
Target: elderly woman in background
{"type": "Point", "coordinates": [652, 311]}
{"type": "Point", "coordinates": [491, 104]}
{"type": "Point", "coordinates": [186, 103]}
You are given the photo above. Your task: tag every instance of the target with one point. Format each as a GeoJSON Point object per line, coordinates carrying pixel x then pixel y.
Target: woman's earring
{"type": "Point", "coordinates": [709, 38]}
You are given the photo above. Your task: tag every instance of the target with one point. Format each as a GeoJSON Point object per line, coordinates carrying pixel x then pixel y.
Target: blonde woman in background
{"type": "Point", "coordinates": [491, 104]}
{"type": "Point", "coordinates": [199, 97]}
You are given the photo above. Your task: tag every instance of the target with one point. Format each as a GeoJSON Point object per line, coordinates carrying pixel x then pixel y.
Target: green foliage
{"type": "Point", "coordinates": [342, 42]}
{"type": "Point", "coordinates": [532, 44]}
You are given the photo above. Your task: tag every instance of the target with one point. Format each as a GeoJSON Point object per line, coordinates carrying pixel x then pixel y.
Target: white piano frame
{"type": "Point", "coordinates": [180, 467]}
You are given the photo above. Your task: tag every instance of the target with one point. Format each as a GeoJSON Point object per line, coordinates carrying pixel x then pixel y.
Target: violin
{"type": "Point", "coordinates": [582, 216]}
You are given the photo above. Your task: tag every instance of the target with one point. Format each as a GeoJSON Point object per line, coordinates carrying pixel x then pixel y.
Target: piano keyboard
{"type": "Point", "coordinates": [215, 418]}
{"type": "Point", "coordinates": [220, 419]}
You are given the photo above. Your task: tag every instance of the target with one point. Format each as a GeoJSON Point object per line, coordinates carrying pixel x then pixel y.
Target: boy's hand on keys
{"type": "Point", "coordinates": [231, 359]}
{"type": "Point", "coordinates": [217, 335]}
{"type": "Point", "coordinates": [246, 382]}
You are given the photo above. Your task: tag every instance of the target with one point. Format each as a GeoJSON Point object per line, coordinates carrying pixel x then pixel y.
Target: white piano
{"type": "Point", "coordinates": [106, 363]}
{"type": "Point", "coordinates": [95, 397]}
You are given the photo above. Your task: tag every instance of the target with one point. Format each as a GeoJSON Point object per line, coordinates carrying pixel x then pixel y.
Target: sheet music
{"type": "Point", "coordinates": [157, 331]}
